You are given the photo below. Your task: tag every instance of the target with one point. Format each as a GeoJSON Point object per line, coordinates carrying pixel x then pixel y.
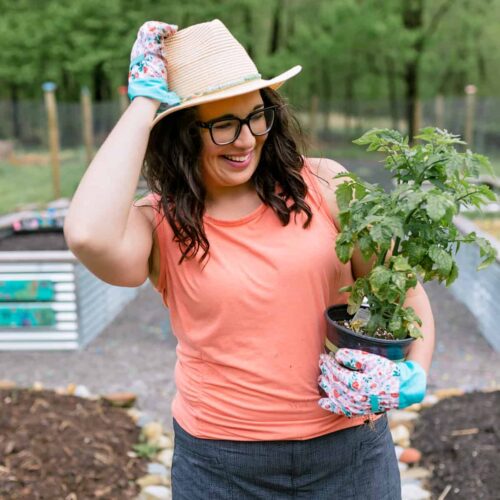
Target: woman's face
{"type": "Point", "coordinates": [227, 167]}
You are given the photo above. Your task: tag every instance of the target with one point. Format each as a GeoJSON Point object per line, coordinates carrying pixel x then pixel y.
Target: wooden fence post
{"type": "Point", "coordinates": [49, 89]}
{"type": "Point", "coordinates": [88, 125]}
{"type": "Point", "coordinates": [439, 111]}
{"type": "Point", "coordinates": [124, 102]}
{"type": "Point", "coordinates": [470, 109]}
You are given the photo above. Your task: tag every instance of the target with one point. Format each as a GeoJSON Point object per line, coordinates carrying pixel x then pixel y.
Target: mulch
{"type": "Point", "coordinates": [459, 438]}
{"type": "Point", "coordinates": [65, 447]}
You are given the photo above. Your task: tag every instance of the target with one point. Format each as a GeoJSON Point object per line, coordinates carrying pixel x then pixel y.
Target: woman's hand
{"type": "Point", "coordinates": [148, 68]}
{"type": "Point", "coordinates": [360, 383]}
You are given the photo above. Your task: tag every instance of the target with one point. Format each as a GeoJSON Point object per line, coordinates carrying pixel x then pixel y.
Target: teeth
{"type": "Point", "coordinates": [237, 158]}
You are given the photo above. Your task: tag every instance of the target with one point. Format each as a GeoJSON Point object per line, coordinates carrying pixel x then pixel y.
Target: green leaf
{"type": "Point", "coordinates": [344, 194]}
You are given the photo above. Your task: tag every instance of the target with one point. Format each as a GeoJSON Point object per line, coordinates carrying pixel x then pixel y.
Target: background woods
{"type": "Point", "coordinates": [400, 51]}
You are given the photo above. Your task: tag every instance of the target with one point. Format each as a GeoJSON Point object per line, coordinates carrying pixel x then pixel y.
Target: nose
{"type": "Point", "coordinates": [245, 139]}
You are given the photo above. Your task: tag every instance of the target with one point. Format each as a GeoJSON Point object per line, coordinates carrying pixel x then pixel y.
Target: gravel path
{"type": "Point", "coordinates": [137, 353]}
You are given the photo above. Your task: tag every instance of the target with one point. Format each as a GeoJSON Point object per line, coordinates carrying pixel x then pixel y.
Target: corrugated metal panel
{"type": "Point", "coordinates": [480, 292]}
{"type": "Point", "coordinates": [63, 334]}
{"type": "Point", "coordinates": [98, 303]}
{"type": "Point", "coordinates": [39, 346]}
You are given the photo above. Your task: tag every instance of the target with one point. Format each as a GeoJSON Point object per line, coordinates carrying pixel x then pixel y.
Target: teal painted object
{"type": "Point", "coordinates": [27, 290]}
{"type": "Point", "coordinates": [22, 317]}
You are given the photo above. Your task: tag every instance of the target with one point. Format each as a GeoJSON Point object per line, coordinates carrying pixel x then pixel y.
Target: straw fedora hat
{"type": "Point", "coordinates": [206, 63]}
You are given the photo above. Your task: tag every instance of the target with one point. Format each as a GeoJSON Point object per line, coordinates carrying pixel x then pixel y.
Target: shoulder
{"type": "Point", "coordinates": [325, 170]}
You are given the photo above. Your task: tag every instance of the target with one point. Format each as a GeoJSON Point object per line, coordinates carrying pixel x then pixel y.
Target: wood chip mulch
{"type": "Point", "coordinates": [64, 447]}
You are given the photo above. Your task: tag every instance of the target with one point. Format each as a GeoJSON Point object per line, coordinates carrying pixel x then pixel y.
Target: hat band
{"type": "Point", "coordinates": [222, 86]}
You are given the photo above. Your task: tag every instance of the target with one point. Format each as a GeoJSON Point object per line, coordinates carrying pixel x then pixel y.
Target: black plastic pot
{"type": "Point", "coordinates": [339, 336]}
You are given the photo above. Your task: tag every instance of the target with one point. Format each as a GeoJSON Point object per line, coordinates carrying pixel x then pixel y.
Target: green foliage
{"type": "Point", "coordinates": [433, 181]}
{"type": "Point", "coordinates": [146, 450]}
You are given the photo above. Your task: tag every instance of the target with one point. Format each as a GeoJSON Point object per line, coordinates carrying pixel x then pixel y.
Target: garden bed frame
{"type": "Point", "coordinates": [74, 308]}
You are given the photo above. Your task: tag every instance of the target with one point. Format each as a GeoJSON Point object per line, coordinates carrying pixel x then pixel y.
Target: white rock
{"type": "Point", "coordinates": [414, 492]}
{"type": "Point", "coordinates": [155, 492]}
{"type": "Point", "coordinates": [153, 480]}
{"type": "Point", "coordinates": [164, 441]}
{"type": "Point", "coordinates": [157, 469]}
{"type": "Point", "coordinates": [397, 417]}
{"type": "Point", "coordinates": [416, 473]}
{"type": "Point", "coordinates": [152, 431]}
{"type": "Point", "coordinates": [400, 435]}
{"type": "Point", "coordinates": [134, 414]}
{"type": "Point", "coordinates": [165, 457]}
{"type": "Point", "coordinates": [402, 467]}
{"type": "Point", "coordinates": [82, 392]}
{"type": "Point", "coordinates": [429, 400]}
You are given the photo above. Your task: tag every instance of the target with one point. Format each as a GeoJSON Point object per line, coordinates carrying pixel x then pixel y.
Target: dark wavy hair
{"type": "Point", "coordinates": [171, 169]}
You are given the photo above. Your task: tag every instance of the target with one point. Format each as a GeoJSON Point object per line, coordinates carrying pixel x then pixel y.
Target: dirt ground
{"type": "Point", "coordinates": [65, 447]}
{"type": "Point", "coordinates": [460, 441]}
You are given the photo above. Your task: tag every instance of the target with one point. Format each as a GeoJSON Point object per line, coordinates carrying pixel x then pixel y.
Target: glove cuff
{"type": "Point", "coordinates": [154, 88]}
{"type": "Point", "coordinates": [413, 383]}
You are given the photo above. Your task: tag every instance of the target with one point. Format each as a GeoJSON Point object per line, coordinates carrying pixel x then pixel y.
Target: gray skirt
{"type": "Point", "coordinates": [356, 463]}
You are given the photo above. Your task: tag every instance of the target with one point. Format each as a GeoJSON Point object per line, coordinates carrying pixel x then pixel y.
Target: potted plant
{"type": "Point", "coordinates": [409, 232]}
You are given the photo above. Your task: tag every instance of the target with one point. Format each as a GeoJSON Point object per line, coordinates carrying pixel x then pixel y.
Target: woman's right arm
{"type": "Point", "coordinates": [109, 235]}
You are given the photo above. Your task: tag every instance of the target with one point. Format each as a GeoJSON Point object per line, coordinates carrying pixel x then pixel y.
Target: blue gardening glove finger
{"type": "Point", "coordinates": [360, 383]}
{"type": "Point", "coordinates": [148, 69]}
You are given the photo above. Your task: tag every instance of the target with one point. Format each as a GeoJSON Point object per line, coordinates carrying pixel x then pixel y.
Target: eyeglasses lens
{"type": "Point", "coordinates": [227, 131]}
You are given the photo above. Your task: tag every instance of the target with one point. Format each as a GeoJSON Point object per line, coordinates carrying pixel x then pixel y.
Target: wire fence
{"type": "Point", "coordinates": [23, 125]}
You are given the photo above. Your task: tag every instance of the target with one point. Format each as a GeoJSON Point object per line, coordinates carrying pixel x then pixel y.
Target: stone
{"type": "Point", "coordinates": [401, 436]}
{"type": "Point", "coordinates": [448, 393]}
{"type": "Point", "coordinates": [164, 441]}
{"type": "Point", "coordinates": [155, 492]}
{"type": "Point", "coordinates": [413, 492]}
{"type": "Point", "coordinates": [410, 456]}
{"type": "Point", "coordinates": [120, 399]}
{"type": "Point", "coordinates": [429, 400]}
{"type": "Point", "coordinates": [82, 392]}
{"type": "Point", "coordinates": [416, 473]}
{"type": "Point", "coordinates": [157, 469]}
{"type": "Point", "coordinates": [7, 385]}
{"type": "Point", "coordinates": [134, 414]}
{"type": "Point", "coordinates": [37, 386]}
{"type": "Point", "coordinates": [70, 389]}
{"type": "Point", "coordinates": [404, 417]}
{"type": "Point", "coordinates": [153, 479]}
{"type": "Point", "coordinates": [402, 467]}
{"type": "Point", "coordinates": [165, 457]}
{"type": "Point", "coordinates": [152, 431]}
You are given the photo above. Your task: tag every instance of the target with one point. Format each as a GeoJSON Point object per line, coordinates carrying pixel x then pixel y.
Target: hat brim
{"type": "Point", "coordinates": [244, 88]}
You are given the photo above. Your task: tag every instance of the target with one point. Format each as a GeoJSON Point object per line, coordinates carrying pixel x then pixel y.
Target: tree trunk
{"type": "Point", "coordinates": [276, 28]}
{"type": "Point", "coordinates": [16, 120]}
{"type": "Point", "coordinates": [393, 98]}
{"type": "Point", "coordinates": [413, 21]}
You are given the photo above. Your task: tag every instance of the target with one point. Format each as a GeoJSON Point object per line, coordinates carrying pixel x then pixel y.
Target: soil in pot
{"type": "Point", "coordinates": [339, 336]}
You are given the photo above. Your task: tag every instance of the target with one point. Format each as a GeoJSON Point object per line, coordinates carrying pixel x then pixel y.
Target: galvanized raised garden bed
{"type": "Point", "coordinates": [50, 301]}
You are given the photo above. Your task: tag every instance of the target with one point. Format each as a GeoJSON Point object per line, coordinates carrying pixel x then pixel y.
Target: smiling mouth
{"type": "Point", "coordinates": [237, 159]}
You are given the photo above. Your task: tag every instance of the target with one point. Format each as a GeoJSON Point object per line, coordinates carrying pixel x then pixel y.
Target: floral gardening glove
{"type": "Point", "coordinates": [148, 71]}
{"type": "Point", "coordinates": [360, 383]}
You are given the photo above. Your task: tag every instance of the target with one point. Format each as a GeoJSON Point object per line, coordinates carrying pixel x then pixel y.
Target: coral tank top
{"type": "Point", "coordinates": [250, 324]}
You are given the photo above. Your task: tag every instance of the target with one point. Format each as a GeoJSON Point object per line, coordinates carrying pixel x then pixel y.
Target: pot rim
{"type": "Point", "coordinates": [364, 338]}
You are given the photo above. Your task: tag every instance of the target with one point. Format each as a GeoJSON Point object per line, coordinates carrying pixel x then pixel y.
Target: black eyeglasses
{"type": "Point", "coordinates": [226, 130]}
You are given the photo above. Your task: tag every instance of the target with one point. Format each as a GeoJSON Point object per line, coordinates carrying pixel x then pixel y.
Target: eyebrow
{"type": "Point", "coordinates": [223, 117]}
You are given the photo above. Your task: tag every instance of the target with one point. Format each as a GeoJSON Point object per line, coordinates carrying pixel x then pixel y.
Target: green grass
{"type": "Point", "coordinates": [31, 185]}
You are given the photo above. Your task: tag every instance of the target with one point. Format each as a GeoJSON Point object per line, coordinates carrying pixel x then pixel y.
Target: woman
{"type": "Point", "coordinates": [238, 236]}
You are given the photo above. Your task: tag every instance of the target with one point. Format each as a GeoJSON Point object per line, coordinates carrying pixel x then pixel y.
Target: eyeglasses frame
{"type": "Point", "coordinates": [242, 121]}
